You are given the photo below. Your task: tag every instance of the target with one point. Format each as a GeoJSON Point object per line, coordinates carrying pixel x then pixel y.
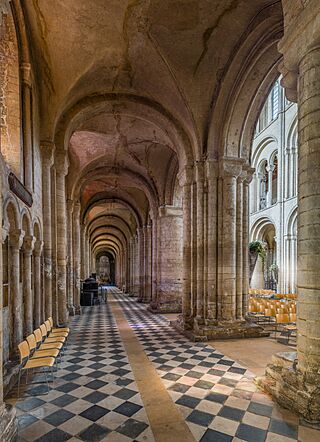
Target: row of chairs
{"type": "Point", "coordinates": [261, 292]}
{"type": "Point", "coordinates": [42, 349]}
{"type": "Point", "coordinates": [282, 314]}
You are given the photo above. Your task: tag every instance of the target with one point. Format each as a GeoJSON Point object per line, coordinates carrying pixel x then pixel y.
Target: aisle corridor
{"type": "Point", "coordinates": [127, 375]}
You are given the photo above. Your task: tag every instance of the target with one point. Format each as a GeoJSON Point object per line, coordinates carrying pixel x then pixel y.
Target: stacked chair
{"type": "Point", "coordinates": [42, 350]}
{"type": "Point", "coordinates": [280, 311]}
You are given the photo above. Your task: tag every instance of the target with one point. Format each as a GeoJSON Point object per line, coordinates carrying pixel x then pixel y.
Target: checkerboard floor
{"type": "Point", "coordinates": [96, 398]}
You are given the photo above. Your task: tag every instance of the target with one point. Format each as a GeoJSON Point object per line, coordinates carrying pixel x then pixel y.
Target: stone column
{"type": "Point", "coordinates": [77, 256]}
{"type": "Point", "coordinates": [239, 246]}
{"type": "Point", "coordinates": [15, 241]}
{"type": "Point", "coordinates": [70, 265]}
{"type": "Point", "coordinates": [8, 424]}
{"type": "Point", "coordinates": [230, 170]}
{"type": "Point", "coordinates": [154, 260]}
{"type": "Point", "coordinates": [27, 116]}
{"type": "Point", "coordinates": [245, 240]}
{"type": "Point", "coordinates": [186, 184]}
{"type": "Point", "coordinates": [38, 295]}
{"type": "Point", "coordinates": [136, 265]}
{"type": "Point", "coordinates": [308, 215]}
{"type": "Point", "coordinates": [82, 250]}
{"type": "Point", "coordinates": [61, 166]}
{"type": "Point", "coordinates": [130, 291]}
{"type": "Point", "coordinates": [270, 170]}
{"type": "Point", "coordinates": [87, 263]}
{"type": "Point", "coordinates": [141, 240]}
{"type": "Point", "coordinates": [28, 244]}
{"type": "Point", "coordinates": [148, 263]}
{"type": "Point", "coordinates": [294, 378]}
{"type": "Point", "coordinates": [200, 235]}
{"type": "Point", "coordinates": [212, 173]}
{"type": "Point", "coordinates": [47, 162]}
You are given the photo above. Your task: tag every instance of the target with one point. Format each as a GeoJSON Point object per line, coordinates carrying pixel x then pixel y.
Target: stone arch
{"type": "Point", "coordinates": [137, 106]}
{"type": "Point", "coordinates": [242, 93]}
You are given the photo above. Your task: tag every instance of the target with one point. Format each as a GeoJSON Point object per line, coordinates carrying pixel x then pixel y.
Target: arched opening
{"type": "Point", "coordinates": [275, 146]}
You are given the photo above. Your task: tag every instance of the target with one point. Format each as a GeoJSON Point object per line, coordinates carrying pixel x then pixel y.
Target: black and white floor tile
{"type": "Point", "coordinates": [95, 397]}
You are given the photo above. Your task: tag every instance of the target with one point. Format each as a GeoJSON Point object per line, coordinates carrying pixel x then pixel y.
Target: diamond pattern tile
{"type": "Point", "coordinates": [96, 398]}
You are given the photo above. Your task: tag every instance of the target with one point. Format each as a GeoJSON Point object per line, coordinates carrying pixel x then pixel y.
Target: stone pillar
{"type": "Point", "coordinates": [270, 170]}
{"type": "Point", "coordinates": [225, 228]}
{"type": "Point", "coordinates": [82, 248]}
{"type": "Point", "coordinates": [230, 171]}
{"type": "Point", "coordinates": [8, 424]}
{"type": "Point", "coordinates": [293, 379]}
{"type": "Point", "coordinates": [28, 244]}
{"type": "Point", "coordinates": [38, 295]}
{"type": "Point", "coordinates": [245, 240]}
{"type": "Point", "coordinates": [169, 268]}
{"type": "Point", "coordinates": [77, 256]}
{"type": "Point", "coordinates": [136, 265]}
{"type": "Point", "coordinates": [26, 125]}
{"type": "Point", "coordinates": [141, 240]}
{"type": "Point", "coordinates": [70, 265]}
{"type": "Point", "coordinates": [54, 245]}
{"type": "Point", "coordinates": [200, 237]}
{"type": "Point", "coordinates": [87, 263]}
{"type": "Point", "coordinates": [61, 165]}
{"type": "Point", "coordinates": [239, 248]}
{"type": "Point", "coordinates": [15, 241]}
{"type": "Point", "coordinates": [154, 260]}
{"type": "Point", "coordinates": [212, 173]}
{"type": "Point", "coordinates": [186, 184]}
{"type": "Point", "coordinates": [148, 288]}
{"type": "Point", "coordinates": [47, 162]}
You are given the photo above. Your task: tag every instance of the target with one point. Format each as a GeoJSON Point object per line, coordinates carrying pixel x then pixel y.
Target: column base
{"type": "Point", "coordinates": [8, 423]}
{"type": "Point", "coordinates": [78, 310]}
{"type": "Point", "coordinates": [291, 388]}
{"type": "Point", "coordinates": [170, 306]}
{"type": "Point", "coordinates": [207, 330]}
{"type": "Point", "coordinates": [71, 310]}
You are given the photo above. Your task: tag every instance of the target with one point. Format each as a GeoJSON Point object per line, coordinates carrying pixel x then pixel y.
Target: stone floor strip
{"type": "Point", "coordinates": [165, 420]}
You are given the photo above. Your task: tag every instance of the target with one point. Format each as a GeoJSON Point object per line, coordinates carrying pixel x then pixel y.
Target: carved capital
{"type": "Point", "coordinates": [248, 172]}
{"type": "Point", "coordinates": [38, 247]}
{"type": "Point", "coordinates": [230, 167]}
{"type": "Point", "coordinates": [61, 163]}
{"type": "Point", "coordinates": [47, 149]}
{"type": "Point", "coordinates": [16, 238]}
{"type": "Point", "coordinates": [28, 244]}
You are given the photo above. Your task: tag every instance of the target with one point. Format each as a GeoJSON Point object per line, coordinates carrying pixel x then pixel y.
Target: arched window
{"type": "Point", "coordinates": [264, 185]}
{"type": "Point", "coordinates": [274, 183]}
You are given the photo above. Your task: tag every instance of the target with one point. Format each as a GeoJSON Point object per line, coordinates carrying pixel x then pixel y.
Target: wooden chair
{"type": "Point", "coordinates": [281, 319]}
{"type": "Point", "coordinates": [43, 345]}
{"type": "Point", "coordinates": [50, 339]}
{"type": "Point", "coordinates": [41, 353]}
{"type": "Point", "coordinates": [26, 364]}
{"type": "Point", "coordinates": [292, 326]}
{"type": "Point", "coordinates": [56, 333]}
{"type": "Point", "coordinates": [53, 329]}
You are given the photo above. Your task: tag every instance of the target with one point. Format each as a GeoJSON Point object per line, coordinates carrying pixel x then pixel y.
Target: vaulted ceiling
{"type": "Point", "coordinates": [129, 89]}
